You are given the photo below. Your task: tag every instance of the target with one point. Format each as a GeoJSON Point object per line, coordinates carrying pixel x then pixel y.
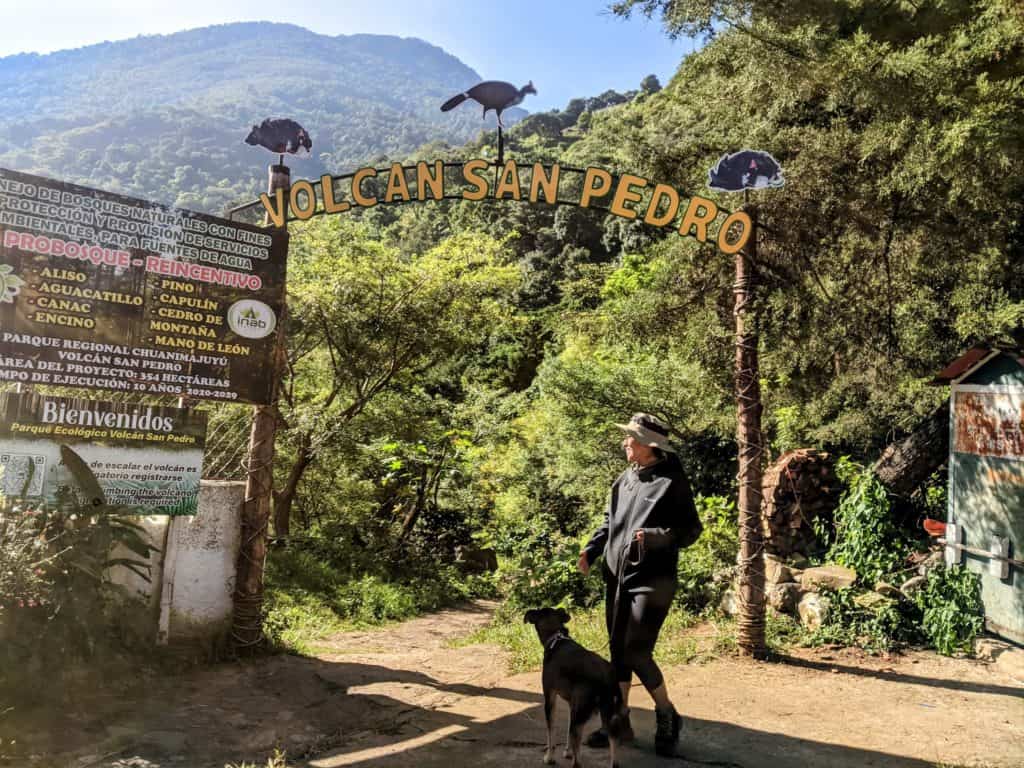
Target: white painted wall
{"type": "Point", "coordinates": [189, 594]}
{"type": "Point", "coordinates": [147, 591]}
{"type": "Point", "coordinates": [204, 569]}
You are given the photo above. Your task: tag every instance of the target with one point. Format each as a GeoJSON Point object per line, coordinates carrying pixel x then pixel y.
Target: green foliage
{"type": "Point", "coordinates": [952, 614]}
{"type": "Point", "coordinates": [783, 631]}
{"type": "Point", "coordinates": [309, 595]}
{"type": "Point", "coordinates": [713, 552]}
{"type": "Point", "coordinates": [882, 627]}
{"type": "Point", "coordinates": [894, 244]}
{"type": "Point", "coordinates": [588, 628]}
{"type": "Point", "coordinates": [58, 606]}
{"type": "Point", "coordinates": [888, 253]}
{"type": "Point", "coordinates": [539, 566]}
{"type": "Point", "coordinates": [865, 537]}
{"type": "Point", "coordinates": [23, 553]}
{"type": "Point", "coordinates": [519, 639]}
{"type": "Point", "coordinates": [369, 326]}
{"type": "Point", "coordinates": [946, 614]}
{"type": "Point", "coordinates": [173, 130]}
{"type": "Point", "coordinates": [934, 501]}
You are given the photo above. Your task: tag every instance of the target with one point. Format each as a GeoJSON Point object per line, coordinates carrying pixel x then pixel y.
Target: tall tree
{"type": "Point", "coordinates": [894, 240]}
{"type": "Point", "coordinates": [364, 319]}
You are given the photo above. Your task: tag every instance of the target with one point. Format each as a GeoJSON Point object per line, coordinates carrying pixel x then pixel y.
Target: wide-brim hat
{"type": "Point", "coordinates": [648, 430]}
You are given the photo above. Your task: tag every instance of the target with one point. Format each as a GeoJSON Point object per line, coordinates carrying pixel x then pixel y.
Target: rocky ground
{"type": "Point", "coordinates": [403, 696]}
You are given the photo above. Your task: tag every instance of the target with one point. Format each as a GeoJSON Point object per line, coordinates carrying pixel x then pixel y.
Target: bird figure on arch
{"type": "Point", "coordinates": [492, 94]}
{"type": "Point", "coordinates": [280, 136]}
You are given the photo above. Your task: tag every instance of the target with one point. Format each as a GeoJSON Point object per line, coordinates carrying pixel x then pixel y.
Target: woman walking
{"type": "Point", "coordinates": [649, 518]}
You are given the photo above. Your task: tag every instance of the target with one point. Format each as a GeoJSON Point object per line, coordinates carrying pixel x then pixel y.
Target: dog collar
{"type": "Point", "coordinates": [554, 641]}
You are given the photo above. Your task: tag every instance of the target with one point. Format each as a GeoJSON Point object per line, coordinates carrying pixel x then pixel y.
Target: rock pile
{"type": "Point", "coordinates": [795, 587]}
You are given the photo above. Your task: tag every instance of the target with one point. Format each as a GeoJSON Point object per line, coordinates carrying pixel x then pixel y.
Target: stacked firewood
{"type": "Point", "coordinates": [799, 488]}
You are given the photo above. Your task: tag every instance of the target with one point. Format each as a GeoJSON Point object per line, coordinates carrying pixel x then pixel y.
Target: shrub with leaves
{"type": "Point", "coordinates": [952, 613]}
{"type": "Point", "coordinates": [883, 626]}
{"type": "Point", "coordinates": [56, 596]}
{"type": "Point", "coordinates": [714, 551]}
{"type": "Point", "coordinates": [865, 537]}
{"type": "Point", "coordinates": [23, 553]}
{"type": "Point", "coordinates": [539, 566]}
{"type": "Point", "coordinates": [946, 614]}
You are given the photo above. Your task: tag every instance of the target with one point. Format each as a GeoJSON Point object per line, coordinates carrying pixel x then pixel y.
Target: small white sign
{"type": "Point", "coordinates": [252, 319]}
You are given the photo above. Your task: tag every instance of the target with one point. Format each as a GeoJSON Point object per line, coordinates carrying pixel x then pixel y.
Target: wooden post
{"type": "Point", "coordinates": [750, 628]}
{"type": "Point", "coordinates": [499, 164]}
{"type": "Point", "coordinates": [247, 622]}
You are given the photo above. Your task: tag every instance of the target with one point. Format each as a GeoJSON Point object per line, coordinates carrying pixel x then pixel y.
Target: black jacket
{"type": "Point", "coordinates": [657, 500]}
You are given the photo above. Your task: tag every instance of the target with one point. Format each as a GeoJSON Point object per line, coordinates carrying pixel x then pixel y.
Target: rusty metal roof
{"type": "Point", "coordinates": [970, 360]}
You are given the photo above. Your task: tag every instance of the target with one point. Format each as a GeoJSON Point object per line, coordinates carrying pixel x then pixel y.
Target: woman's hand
{"type": "Point", "coordinates": [583, 564]}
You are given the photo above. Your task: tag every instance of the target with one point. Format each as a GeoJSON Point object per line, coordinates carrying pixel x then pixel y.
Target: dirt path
{"type": "Point", "coordinates": [403, 697]}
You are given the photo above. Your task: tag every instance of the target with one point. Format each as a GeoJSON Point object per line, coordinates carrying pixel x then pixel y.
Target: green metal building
{"type": "Point", "coordinates": [985, 527]}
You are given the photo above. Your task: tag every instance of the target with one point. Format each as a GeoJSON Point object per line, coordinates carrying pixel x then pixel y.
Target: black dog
{"type": "Point", "coordinates": [579, 676]}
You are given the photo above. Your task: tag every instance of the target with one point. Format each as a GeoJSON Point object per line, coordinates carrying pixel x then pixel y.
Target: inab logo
{"type": "Point", "coordinates": [251, 319]}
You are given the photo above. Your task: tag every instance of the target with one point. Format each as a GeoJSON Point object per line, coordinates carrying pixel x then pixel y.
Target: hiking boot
{"type": "Point", "coordinates": [667, 736]}
{"type": "Point", "coordinates": [599, 738]}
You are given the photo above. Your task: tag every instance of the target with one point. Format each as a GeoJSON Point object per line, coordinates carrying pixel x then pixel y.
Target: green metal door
{"type": "Point", "coordinates": [986, 480]}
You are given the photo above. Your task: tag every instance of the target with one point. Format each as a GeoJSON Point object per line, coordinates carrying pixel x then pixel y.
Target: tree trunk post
{"type": "Point", "coordinates": [247, 621]}
{"type": "Point", "coordinates": [750, 629]}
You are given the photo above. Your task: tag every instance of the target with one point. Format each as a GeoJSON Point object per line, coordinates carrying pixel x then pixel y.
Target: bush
{"type": "Point", "coordinates": [539, 567]}
{"type": "Point", "coordinates": [946, 614]}
{"type": "Point", "coordinates": [865, 537]}
{"type": "Point", "coordinates": [23, 553]}
{"type": "Point", "coordinates": [882, 627]}
{"type": "Point", "coordinates": [714, 551]}
{"type": "Point", "coordinates": [952, 613]}
{"type": "Point", "coordinates": [57, 603]}
{"type": "Point", "coordinates": [540, 562]}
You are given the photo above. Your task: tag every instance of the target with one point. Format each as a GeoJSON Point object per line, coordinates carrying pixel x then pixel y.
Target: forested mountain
{"type": "Point", "coordinates": [164, 117]}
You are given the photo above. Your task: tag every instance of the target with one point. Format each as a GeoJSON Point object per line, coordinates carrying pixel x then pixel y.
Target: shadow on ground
{"type": "Point", "coordinates": [896, 677]}
{"type": "Point", "coordinates": [324, 714]}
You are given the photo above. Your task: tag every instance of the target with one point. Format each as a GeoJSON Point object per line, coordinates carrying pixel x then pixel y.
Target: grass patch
{"type": "Point", "coordinates": [295, 621]}
{"type": "Point", "coordinates": [783, 632]}
{"type": "Point", "coordinates": [508, 631]}
{"type": "Point", "coordinates": [308, 599]}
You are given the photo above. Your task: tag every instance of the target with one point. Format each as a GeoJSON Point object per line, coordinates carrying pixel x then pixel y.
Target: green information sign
{"type": "Point", "coordinates": [144, 457]}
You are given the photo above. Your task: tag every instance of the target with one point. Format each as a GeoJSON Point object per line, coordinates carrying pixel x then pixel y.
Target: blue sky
{"type": "Point", "coordinates": [567, 47]}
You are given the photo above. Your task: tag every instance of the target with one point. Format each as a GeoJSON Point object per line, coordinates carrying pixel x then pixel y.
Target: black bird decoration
{"type": "Point", "coordinates": [492, 94]}
{"type": "Point", "coordinates": [280, 136]}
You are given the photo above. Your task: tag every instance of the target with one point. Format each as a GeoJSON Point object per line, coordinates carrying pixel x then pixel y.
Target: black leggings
{"type": "Point", "coordinates": [637, 624]}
